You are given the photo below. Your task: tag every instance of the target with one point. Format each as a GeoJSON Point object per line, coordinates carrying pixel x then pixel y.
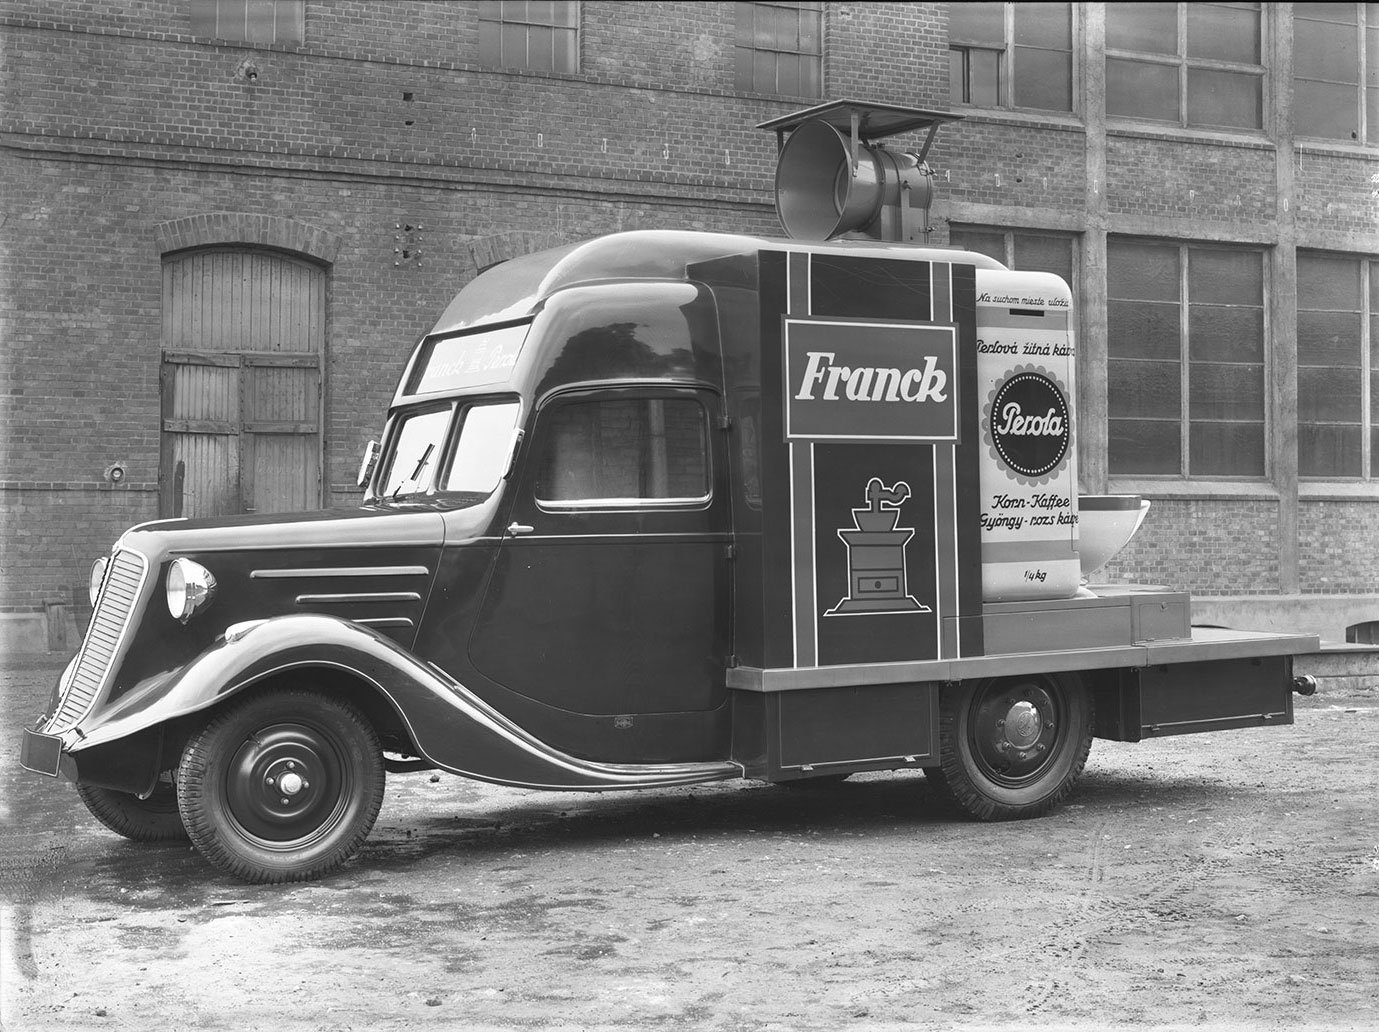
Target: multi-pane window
{"type": "Point", "coordinates": [1185, 342]}
{"type": "Point", "coordinates": [532, 35]}
{"type": "Point", "coordinates": [1336, 71]}
{"type": "Point", "coordinates": [1011, 55]}
{"type": "Point", "coordinates": [1192, 64]}
{"type": "Point", "coordinates": [780, 48]}
{"type": "Point", "coordinates": [250, 21]}
{"type": "Point", "coordinates": [1338, 362]}
{"type": "Point", "coordinates": [621, 450]}
{"type": "Point", "coordinates": [1024, 249]}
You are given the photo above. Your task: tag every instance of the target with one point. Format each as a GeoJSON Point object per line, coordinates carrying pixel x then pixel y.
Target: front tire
{"type": "Point", "coordinates": [1013, 747]}
{"type": "Point", "coordinates": [154, 819]}
{"type": "Point", "coordinates": [281, 786]}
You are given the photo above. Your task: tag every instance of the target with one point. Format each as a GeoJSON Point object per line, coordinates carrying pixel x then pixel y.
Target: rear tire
{"type": "Point", "coordinates": [281, 786]}
{"type": "Point", "coordinates": [154, 819]}
{"type": "Point", "coordinates": [1014, 747]}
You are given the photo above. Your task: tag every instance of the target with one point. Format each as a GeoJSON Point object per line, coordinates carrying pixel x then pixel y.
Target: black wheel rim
{"type": "Point", "coordinates": [1014, 729]}
{"type": "Point", "coordinates": [288, 786]}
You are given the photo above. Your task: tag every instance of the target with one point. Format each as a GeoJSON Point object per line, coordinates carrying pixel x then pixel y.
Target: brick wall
{"type": "Point", "coordinates": [116, 122]}
{"type": "Point", "coordinates": [1337, 550]}
{"type": "Point", "coordinates": [1208, 547]}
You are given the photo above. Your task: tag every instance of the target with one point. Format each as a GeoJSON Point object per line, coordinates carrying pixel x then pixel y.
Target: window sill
{"type": "Point", "coordinates": [1062, 121]}
{"type": "Point", "coordinates": [1336, 148]}
{"type": "Point", "coordinates": [1339, 491]}
{"type": "Point", "coordinates": [1244, 139]}
{"type": "Point", "coordinates": [1194, 490]}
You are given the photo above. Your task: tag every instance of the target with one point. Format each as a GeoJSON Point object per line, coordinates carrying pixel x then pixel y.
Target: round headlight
{"type": "Point", "coordinates": [97, 575]}
{"type": "Point", "coordinates": [190, 587]}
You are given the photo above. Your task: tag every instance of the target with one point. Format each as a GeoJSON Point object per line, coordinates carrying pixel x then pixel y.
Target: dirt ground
{"type": "Point", "coordinates": [1225, 881]}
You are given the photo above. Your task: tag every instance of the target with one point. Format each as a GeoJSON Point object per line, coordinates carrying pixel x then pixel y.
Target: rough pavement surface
{"type": "Point", "coordinates": [1227, 880]}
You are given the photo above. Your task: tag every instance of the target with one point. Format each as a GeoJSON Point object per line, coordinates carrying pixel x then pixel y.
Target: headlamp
{"type": "Point", "coordinates": [98, 569]}
{"type": "Point", "coordinates": [190, 588]}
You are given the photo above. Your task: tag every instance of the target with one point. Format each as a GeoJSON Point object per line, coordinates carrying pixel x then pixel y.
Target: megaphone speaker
{"type": "Point", "coordinates": [819, 194]}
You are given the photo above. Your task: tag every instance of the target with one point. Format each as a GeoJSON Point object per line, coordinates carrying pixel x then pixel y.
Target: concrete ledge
{"type": "Point", "coordinates": [51, 630]}
{"type": "Point", "coordinates": [1326, 616]}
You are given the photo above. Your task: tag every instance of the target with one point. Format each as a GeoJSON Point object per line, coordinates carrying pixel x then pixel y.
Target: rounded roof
{"type": "Point", "coordinates": [517, 287]}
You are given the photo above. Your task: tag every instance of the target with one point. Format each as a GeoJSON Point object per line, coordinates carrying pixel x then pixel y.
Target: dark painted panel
{"type": "Point", "coordinates": [870, 288]}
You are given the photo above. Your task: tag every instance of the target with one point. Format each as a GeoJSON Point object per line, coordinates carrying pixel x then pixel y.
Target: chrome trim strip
{"type": "Point", "coordinates": [342, 571]}
{"type": "Point", "coordinates": [361, 596]}
{"type": "Point", "coordinates": [387, 621]}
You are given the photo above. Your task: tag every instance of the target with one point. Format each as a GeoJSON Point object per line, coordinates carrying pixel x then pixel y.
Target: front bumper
{"type": "Point", "coordinates": [41, 753]}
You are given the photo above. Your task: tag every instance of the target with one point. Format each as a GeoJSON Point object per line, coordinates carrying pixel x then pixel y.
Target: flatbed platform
{"type": "Point", "coordinates": [1204, 645]}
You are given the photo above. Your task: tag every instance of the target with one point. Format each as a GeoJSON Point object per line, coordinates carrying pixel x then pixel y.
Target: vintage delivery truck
{"type": "Point", "coordinates": [657, 509]}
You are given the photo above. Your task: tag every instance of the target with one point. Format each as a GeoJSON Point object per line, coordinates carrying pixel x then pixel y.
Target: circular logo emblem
{"type": "Point", "coordinates": [1029, 427]}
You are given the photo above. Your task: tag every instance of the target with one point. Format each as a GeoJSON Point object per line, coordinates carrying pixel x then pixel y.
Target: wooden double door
{"type": "Point", "coordinates": [244, 335]}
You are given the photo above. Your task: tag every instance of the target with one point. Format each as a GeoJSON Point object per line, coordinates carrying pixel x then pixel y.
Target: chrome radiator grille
{"type": "Point", "coordinates": [109, 622]}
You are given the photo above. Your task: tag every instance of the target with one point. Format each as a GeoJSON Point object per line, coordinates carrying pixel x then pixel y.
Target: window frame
{"type": "Point", "coordinates": [1005, 70]}
{"type": "Point", "coordinates": [817, 7]}
{"type": "Point", "coordinates": [1185, 474]}
{"type": "Point", "coordinates": [1008, 239]}
{"type": "Point", "coordinates": [1366, 135]}
{"type": "Point", "coordinates": [527, 25]}
{"type": "Point", "coordinates": [214, 9]}
{"type": "Point", "coordinates": [639, 393]}
{"type": "Point", "coordinates": [1367, 269]}
{"type": "Point", "coordinates": [1185, 64]}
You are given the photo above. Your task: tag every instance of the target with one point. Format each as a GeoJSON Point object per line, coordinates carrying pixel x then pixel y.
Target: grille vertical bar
{"type": "Point", "coordinates": [109, 622]}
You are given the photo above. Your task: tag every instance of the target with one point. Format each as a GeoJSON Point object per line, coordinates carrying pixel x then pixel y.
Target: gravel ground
{"type": "Point", "coordinates": [1222, 881]}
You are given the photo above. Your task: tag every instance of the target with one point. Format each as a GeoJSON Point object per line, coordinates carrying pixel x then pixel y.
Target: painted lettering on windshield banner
{"type": "Point", "coordinates": [471, 360]}
{"type": "Point", "coordinates": [870, 381]}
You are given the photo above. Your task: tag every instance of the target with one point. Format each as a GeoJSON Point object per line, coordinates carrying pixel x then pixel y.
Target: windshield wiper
{"type": "Point", "coordinates": [416, 473]}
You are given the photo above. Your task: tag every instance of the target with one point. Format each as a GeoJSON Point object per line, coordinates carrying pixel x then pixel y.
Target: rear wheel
{"type": "Point", "coordinates": [154, 819]}
{"type": "Point", "coordinates": [1013, 747]}
{"type": "Point", "coordinates": [283, 786]}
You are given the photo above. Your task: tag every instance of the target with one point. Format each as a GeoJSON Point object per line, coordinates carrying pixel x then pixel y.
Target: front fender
{"type": "Point", "coordinates": [450, 726]}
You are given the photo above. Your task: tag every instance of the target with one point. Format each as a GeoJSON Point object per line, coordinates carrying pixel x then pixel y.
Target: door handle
{"type": "Point", "coordinates": [519, 528]}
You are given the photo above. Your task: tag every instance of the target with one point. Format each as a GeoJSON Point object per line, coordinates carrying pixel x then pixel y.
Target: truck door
{"type": "Point", "coordinates": [610, 594]}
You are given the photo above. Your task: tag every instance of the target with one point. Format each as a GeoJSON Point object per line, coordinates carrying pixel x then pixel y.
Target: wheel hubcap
{"type": "Point", "coordinates": [287, 784]}
{"type": "Point", "coordinates": [1014, 730]}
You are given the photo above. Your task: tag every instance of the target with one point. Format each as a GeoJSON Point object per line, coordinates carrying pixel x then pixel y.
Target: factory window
{"type": "Point", "coordinates": [1336, 71]}
{"type": "Point", "coordinates": [780, 49]}
{"type": "Point", "coordinates": [1191, 64]}
{"type": "Point", "coordinates": [1017, 55]}
{"type": "Point", "coordinates": [1185, 370]}
{"type": "Point", "coordinates": [620, 450]}
{"type": "Point", "coordinates": [250, 21]}
{"type": "Point", "coordinates": [529, 35]}
{"type": "Point", "coordinates": [1338, 394]}
{"type": "Point", "coordinates": [1025, 249]}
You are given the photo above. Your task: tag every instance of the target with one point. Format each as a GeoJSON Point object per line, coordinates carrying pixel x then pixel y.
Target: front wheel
{"type": "Point", "coordinates": [282, 786]}
{"type": "Point", "coordinates": [1013, 747]}
{"type": "Point", "coordinates": [154, 819]}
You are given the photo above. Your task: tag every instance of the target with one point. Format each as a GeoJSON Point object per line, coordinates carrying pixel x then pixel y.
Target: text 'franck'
{"type": "Point", "coordinates": [870, 383]}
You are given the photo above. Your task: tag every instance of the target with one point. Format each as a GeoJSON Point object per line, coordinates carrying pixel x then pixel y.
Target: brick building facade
{"type": "Point", "coordinates": [396, 148]}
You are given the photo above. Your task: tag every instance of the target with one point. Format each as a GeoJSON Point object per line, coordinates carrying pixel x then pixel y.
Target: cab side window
{"type": "Point", "coordinates": [622, 451]}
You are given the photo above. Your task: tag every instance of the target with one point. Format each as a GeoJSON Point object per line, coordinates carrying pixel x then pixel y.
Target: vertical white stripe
{"type": "Point", "coordinates": [938, 568]}
{"type": "Point", "coordinates": [813, 557]}
{"type": "Point", "coordinates": [794, 587]}
{"type": "Point", "coordinates": [790, 459]}
{"type": "Point", "coordinates": [957, 569]}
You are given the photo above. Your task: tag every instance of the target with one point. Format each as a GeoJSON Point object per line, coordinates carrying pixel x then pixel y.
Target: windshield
{"type": "Point", "coordinates": [480, 438]}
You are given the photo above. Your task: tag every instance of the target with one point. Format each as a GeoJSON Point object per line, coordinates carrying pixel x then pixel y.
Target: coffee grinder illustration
{"type": "Point", "coordinates": [876, 555]}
